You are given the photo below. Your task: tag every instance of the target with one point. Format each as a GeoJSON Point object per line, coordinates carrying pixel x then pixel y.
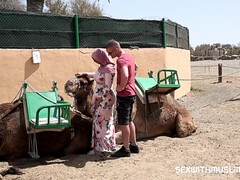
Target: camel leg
{"type": "Point", "coordinates": [118, 136]}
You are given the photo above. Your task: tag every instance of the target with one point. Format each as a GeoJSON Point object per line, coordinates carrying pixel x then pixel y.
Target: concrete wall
{"type": "Point", "coordinates": [16, 66]}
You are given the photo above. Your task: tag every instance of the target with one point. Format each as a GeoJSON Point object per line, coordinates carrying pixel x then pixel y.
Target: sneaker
{"type": "Point", "coordinates": [122, 152]}
{"type": "Point", "coordinates": [134, 148]}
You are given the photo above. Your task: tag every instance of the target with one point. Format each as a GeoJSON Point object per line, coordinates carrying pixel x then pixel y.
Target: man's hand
{"type": "Point", "coordinates": [119, 88]}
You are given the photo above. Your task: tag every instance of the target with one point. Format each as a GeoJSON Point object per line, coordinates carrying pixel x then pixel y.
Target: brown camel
{"type": "Point", "coordinates": [14, 138]}
{"type": "Point", "coordinates": [171, 119]}
{"type": "Point", "coordinates": [82, 90]}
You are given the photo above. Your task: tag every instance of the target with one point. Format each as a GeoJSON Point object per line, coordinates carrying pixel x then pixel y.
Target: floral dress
{"type": "Point", "coordinates": [103, 133]}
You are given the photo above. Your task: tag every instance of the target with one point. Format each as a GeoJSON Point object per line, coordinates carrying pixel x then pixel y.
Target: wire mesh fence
{"type": "Point", "coordinates": [20, 29]}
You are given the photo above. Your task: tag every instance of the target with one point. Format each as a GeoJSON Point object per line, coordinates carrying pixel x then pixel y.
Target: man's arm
{"type": "Point", "coordinates": [136, 68]}
{"type": "Point", "coordinates": [124, 79]}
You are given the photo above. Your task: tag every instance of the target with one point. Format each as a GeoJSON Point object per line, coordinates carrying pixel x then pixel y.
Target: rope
{"type": "Point", "coordinates": [9, 110]}
{"type": "Point", "coordinates": [230, 67]}
{"type": "Point", "coordinates": [34, 90]}
{"type": "Point", "coordinates": [20, 93]}
{"type": "Point", "coordinates": [81, 114]}
{"type": "Point", "coordinates": [206, 66]}
{"type": "Point", "coordinates": [197, 79]}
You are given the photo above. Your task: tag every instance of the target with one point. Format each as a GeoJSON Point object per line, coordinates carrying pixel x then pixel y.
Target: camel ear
{"type": "Point", "coordinates": [91, 82]}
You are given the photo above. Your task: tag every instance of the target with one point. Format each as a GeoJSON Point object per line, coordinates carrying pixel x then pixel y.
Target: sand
{"type": "Point", "coordinates": [212, 152]}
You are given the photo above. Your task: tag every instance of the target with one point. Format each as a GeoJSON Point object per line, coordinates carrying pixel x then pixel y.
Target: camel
{"type": "Point", "coordinates": [14, 137]}
{"type": "Point", "coordinates": [171, 119]}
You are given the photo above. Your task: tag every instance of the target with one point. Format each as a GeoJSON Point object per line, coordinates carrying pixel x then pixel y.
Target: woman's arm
{"type": "Point", "coordinates": [108, 84]}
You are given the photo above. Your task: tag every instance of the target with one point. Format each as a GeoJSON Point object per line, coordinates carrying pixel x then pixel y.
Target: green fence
{"type": "Point", "coordinates": [39, 31]}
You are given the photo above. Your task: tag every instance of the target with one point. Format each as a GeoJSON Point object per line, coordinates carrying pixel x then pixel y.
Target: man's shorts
{"type": "Point", "coordinates": [124, 109]}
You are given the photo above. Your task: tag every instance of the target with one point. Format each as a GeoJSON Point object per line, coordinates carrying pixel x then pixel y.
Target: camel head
{"type": "Point", "coordinates": [81, 89]}
{"type": "Point", "coordinates": [78, 87]}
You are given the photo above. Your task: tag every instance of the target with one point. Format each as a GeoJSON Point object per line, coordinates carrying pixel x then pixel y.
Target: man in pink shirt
{"type": "Point", "coordinates": [126, 71]}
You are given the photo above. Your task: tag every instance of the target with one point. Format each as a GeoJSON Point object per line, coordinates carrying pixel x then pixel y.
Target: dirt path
{"type": "Point", "coordinates": [215, 109]}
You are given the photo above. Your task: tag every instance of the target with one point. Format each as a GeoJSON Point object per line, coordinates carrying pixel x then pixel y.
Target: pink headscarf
{"type": "Point", "coordinates": [106, 64]}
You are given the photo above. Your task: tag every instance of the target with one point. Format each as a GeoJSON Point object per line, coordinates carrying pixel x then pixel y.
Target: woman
{"type": "Point", "coordinates": [103, 131]}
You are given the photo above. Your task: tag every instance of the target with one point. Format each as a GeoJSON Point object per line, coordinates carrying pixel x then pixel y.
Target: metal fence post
{"type": "Point", "coordinates": [163, 33]}
{"type": "Point", "coordinates": [176, 30]}
{"type": "Point", "coordinates": [76, 31]}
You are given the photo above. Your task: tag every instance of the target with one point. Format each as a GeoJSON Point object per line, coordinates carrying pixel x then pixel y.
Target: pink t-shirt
{"type": "Point", "coordinates": [126, 60]}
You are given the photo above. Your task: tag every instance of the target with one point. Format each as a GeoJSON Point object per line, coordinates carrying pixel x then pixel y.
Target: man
{"type": "Point", "coordinates": [126, 71]}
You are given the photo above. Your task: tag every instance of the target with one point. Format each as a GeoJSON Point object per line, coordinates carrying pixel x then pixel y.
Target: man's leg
{"type": "Point", "coordinates": [124, 151]}
{"type": "Point", "coordinates": [133, 140]}
{"type": "Point", "coordinates": [124, 112]}
{"type": "Point", "coordinates": [132, 133]}
{"type": "Point", "coordinates": [133, 147]}
{"type": "Point", "coordinates": [125, 135]}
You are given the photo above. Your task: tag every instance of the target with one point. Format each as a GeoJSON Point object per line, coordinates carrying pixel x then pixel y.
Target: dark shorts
{"type": "Point", "coordinates": [124, 109]}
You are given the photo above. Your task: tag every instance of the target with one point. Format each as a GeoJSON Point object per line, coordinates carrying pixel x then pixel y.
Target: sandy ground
{"type": "Point", "coordinates": [212, 152]}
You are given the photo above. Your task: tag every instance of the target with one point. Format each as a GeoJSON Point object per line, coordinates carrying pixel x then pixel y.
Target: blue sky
{"type": "Point", "coordinates": [208, 21]}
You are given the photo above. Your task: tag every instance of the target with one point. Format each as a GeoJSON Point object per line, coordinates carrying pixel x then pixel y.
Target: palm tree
{"type": "Point", "coordinates": [35, 5]}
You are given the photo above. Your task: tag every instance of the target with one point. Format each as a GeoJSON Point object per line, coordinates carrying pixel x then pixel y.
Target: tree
{"type": "Point", "coordinates": [11, 4]}
{"type": "Point", "coordinates": [202, 50]}
{"type": "Point", "coordinates": [191, 50]}
{"type": "Point", "coordinates": [57, 7]}
{"type": "Point", "coordinates": [235, 50]}
{"type": "Point", "coordinates": [222, 49]}
{"type": "Point", "coordinates": [85, 8]}
{"type": "Point", "coordinates": [227, 46]}
{"type": "Point", "coordinates": [35, 5]}
{"type": "Point", "coordinates": [80, 7]}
